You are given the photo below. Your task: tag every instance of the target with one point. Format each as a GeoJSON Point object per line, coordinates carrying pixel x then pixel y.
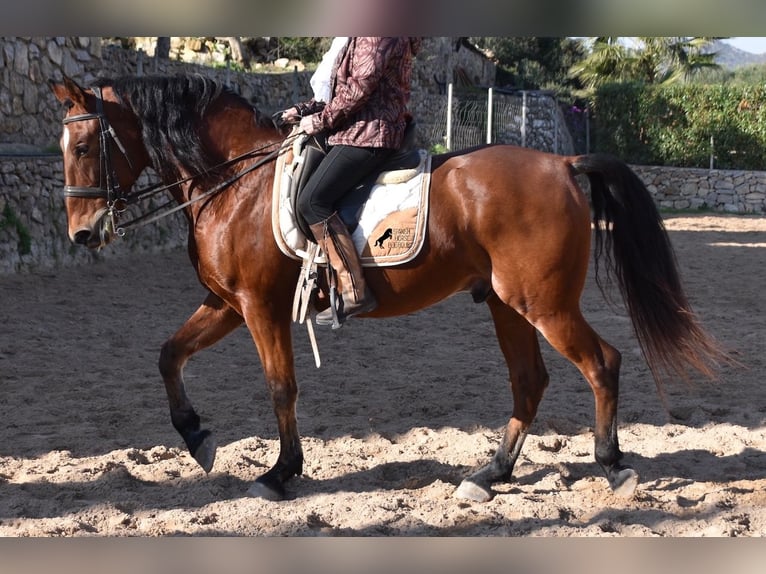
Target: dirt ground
{"type": "Point", "coordinates": [400, 411]}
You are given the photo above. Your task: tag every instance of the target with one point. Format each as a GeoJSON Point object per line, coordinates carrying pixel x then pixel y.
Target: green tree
{"type": "Point", "coordinates": [608, 61]}
{"type": "Point", "coordinates": [533, 62]}
{"type": "Point", "coordinates": [162, 47]}
{"type": "Point", "coordinates": [754, 74]}
{"type": "Point", "coordinates": [308, 50]}
{"type": "Point", "coordinates": [666, 60]}
{"type": "Point", "coordinates": [649, 59]}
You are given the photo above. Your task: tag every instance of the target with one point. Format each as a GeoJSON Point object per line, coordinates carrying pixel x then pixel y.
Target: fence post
{"type": "Point", "coordinates": [556, 126]}
{"type": "Point", "coordinates": [712, 151]}
{"type": "Point", "coordinates": [524, 119]}
{"type": "Point", "coordinates": [140, 63]}
{"type": "Point", "coordinates": [489, 116]}
{"type": "Point", "coordinates": [296, 96]}
{"type": "Point", "coordinates": [449, 117]}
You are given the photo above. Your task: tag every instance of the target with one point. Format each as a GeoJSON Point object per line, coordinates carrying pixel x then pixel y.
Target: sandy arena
{"type": "Point", "coordinates": [400, 411]}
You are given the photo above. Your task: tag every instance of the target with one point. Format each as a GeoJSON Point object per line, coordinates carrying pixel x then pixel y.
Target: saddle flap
{"type": "Point", "coordinates": [387, 221]}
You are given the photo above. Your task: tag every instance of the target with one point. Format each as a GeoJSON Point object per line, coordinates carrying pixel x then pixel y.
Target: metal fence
{"type": "Point", "coordinates": [459, 120]}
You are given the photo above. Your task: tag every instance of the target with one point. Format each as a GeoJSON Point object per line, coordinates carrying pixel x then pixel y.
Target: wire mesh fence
{"type": "Point", "coordinates": [466, 119]}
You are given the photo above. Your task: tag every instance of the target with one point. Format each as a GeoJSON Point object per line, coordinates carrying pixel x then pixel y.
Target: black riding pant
{"type": "Point", "coordinates": [339, 172]}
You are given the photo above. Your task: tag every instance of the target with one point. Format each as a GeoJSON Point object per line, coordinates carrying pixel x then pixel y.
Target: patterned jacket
{"type": "Point", "coordinates": [371, 90]}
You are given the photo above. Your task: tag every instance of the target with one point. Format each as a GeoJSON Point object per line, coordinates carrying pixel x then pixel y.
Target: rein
{"type": "Point", "coordinates": [117, 202]}
{"type": "Point", "coordinates": [150, 217]}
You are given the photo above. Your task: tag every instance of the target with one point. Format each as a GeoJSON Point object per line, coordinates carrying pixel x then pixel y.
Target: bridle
{"type": "Point", "coordinates": [117, 201]}
{"type": "Point", "coordinates": [110, 189]}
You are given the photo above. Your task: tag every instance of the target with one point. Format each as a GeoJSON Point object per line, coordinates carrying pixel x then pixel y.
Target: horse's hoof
{"type": "Point", "coordinates": [260, 490]}
{"type": "Point", "coordinates": [471, 491]}
{"type": "Point", "coordinates": [624, 482]}
{"type": "Point", "coordinates": [205, 452]}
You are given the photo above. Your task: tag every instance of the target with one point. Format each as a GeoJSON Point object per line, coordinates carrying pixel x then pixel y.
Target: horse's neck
{"type": "Point", "coordinates": [233, 131]}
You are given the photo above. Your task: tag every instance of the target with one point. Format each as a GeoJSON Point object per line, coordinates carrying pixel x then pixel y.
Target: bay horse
{"type": "Point", "coordinates": [510, 225]}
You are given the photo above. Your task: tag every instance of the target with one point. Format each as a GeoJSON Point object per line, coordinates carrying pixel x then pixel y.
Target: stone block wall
{"type": "Point", "coordinates": [732, 191]}
{"type": "Point", "coordinates": [535, 120]}
{"type": "Point", "coordinates": [30, 115]}
{"type": "Point", "coordinates": [33, 225]}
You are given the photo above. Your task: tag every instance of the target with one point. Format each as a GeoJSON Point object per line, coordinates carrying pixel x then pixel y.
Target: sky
{"type": "Point", "coordinates": [753, 44]}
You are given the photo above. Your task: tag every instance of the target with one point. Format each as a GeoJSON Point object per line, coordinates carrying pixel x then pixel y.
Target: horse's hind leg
{"type": "Point", "coordinates": [528, 378]}
{"type": "Point", "coordinates": [599, 362]}
{"type": "Point", "coordinates": [209, 324]}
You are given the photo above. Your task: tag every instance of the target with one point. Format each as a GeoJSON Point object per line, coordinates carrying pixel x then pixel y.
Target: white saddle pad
{"type": "Point", "coordinates": [392, 223]}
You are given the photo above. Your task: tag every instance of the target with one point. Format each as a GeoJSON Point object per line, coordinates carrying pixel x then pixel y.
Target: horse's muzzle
{"type": "Point", "coordinates": [94, 232]}
{"type": "Point", "coordinates": [82, 237]}
{"type": "Point", "coordinates": [94, 237]}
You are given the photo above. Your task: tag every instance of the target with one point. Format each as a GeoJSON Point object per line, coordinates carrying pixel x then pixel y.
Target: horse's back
{"type": "Point", "coordinates": [509, 184]}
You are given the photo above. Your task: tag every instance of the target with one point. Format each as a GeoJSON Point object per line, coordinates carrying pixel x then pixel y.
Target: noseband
{"type": "Point", "coordinates": [109, 186]}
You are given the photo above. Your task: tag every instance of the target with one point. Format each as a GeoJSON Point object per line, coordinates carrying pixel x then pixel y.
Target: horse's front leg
{"type": "Point", "coordinates": [273, 338]}
{"type": "Point", "coordinates": [209, 324]}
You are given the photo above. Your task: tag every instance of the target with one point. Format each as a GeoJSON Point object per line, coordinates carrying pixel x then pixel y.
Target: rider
{"type": "Point", "coordinates": [364, 118]}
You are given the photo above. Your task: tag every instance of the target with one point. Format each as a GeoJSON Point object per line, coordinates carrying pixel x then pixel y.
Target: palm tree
{"type": "Point", "coordinates": [665, 60]}
{"type": "Point", "coordinates": [650, 59]}
{"type": "Point", "coordinates": [608, 61]}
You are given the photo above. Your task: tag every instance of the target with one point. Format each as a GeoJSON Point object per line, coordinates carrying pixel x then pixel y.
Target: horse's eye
{"type": "Point", "coordinates": [80, 150]}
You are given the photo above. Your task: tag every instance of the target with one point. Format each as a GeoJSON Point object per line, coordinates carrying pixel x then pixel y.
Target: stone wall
{"type": "Point", "coordinates": [30, 117]}
{"type": "Point", "coordinates": [29, 114]}
{"type": "Point", "coordinates": [733, 191]}
{"type": "Point", "coordinates": [33, 226]}
{"type": "Point", "coordinates": [534, 119]}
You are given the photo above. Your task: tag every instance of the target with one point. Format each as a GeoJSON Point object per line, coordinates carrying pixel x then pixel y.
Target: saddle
{"type": "Point", "coordinates": [385, 214]}
{"type": "Point", "coordinates": [400, 167]}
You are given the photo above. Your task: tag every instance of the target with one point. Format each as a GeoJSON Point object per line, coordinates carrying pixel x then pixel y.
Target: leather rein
{"type": "Point", "coordinates": [117, 201]}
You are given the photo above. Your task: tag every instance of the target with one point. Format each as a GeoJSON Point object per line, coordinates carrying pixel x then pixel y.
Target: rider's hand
{"type": "Point", "coordinates": [291, 116]}
{"type": "Point", "coordinates": [307, 125]}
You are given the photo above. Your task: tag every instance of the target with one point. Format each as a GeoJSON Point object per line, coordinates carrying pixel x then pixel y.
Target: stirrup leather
{"type": "Point", "coordinates": [307, 285]}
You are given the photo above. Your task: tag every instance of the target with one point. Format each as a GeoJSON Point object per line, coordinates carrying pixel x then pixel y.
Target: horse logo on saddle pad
{"type": "Point", "coordinates": [386, 215]}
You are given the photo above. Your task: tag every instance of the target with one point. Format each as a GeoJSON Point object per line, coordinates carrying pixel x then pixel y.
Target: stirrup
{"type": "Point", "coordinates": [334, 319]}
{"type": "Point", "coordinates": [338, 318]}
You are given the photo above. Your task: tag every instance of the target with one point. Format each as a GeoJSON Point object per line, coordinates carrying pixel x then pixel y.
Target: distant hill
{"type": "Point", "coordinates": [729, 57]}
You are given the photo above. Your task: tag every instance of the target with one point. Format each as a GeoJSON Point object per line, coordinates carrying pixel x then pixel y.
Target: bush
{"type": "Point", "coordinates": [307, 50]}
{"type": "Point", "coordinates": [673, 125]}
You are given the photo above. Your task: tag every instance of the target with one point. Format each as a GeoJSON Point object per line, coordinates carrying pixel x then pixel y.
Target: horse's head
{"type": "Point", "coordinates": [103, 156]}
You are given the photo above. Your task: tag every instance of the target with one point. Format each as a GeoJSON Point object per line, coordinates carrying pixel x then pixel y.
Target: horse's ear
{"type": "Point", "coordinates": [68, 93]}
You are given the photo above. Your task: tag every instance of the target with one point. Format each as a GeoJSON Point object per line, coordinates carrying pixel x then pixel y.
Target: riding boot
{"type": "Point", "coordinates": [356, 297]}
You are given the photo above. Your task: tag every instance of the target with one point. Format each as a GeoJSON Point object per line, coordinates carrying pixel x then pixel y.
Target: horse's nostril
{"type": "Point", "coordinates": [81, 237]}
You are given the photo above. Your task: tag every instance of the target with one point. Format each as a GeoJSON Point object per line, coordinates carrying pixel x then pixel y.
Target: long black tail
{"type": "Point", "coordinates": [631, 238]}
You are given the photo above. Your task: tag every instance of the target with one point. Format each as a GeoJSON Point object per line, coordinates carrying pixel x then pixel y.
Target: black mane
{"type": "Point", "coordinates": [169, 109]}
